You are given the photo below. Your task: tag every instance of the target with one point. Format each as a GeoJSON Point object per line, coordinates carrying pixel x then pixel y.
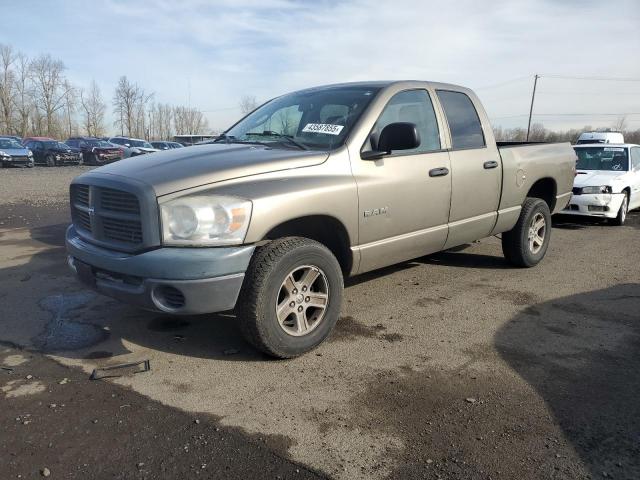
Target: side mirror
{"type": "Point", "coordinates": [395, 136]}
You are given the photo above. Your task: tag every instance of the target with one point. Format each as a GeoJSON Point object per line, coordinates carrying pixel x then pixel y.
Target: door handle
{"type": "Point", "coordinates": [490, 164]}
{"type": "Point", "coordinates": [438, 172]}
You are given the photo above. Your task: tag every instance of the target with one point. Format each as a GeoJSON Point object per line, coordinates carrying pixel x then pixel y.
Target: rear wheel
{"type": "Point", "coordinates": [622, 213]}
{"type": "Point", "coordinates": [526, 244]}
{"type": "Point", "coordinates": [291, 297]}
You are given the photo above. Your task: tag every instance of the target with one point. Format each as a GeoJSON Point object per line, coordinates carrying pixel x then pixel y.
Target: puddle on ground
{"type": "Point", "coordinates": [64, 334]}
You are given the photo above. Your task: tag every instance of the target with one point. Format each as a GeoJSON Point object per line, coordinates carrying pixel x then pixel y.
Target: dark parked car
{"type": "Point", "coordinates": [96, 151]}
{"type": "Point", "coordinates": [53, 153]}
{"type": "Point", "coordinates": [13, 154]}
{"type": "Point", "coordinates": [133, 146]}
{"type": "Point", "coordinates": [163, 145]}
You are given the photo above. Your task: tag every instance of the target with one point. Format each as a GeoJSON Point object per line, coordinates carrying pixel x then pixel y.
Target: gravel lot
{"type": "Point", "coordinates": [450, 366]}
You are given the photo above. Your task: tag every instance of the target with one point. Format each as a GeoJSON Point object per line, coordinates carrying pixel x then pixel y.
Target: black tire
{"type": "Point", "coordinates": [256, 306]}
{"type": "Point", "coordinates": [50, 161]}
{"type": "Point", "coordinates": [516, 244]}
{"type": "Point", "coordinates": [622, 213]}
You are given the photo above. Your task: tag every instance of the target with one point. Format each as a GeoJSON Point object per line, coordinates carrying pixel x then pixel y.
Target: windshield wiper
{"type": "Point", "coordinates": [288, 138]}
{"type": "Point", "coordinates": [225, 137]}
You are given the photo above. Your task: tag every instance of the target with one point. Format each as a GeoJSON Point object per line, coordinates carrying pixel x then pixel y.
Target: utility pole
{"type": "Point", "coordinates": [533, 97]}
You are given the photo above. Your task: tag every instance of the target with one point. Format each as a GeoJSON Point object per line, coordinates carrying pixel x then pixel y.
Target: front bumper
{"type": "Point", "coordinates": [17, 161]}
{"type": "Point", "coordinates": [604, 205]}
{"type": "Point", "coordinates": [171, 279]}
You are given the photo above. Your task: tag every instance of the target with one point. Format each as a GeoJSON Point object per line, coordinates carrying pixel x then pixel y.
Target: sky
{"type": "Point", "coordinates": [208, 54]}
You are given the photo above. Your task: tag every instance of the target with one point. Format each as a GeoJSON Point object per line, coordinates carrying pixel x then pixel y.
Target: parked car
{"type": "Point", "coordinates": [164, 145]}
{"type": "Point", "coordinates": [13, 154]}
{"type": "Point", "coordinates": [600, 137]}
{"type": "Point", "coordinates": [133, 146]}
{"type": "Point", "coordinates": [96, 151]}
{"type": "Point", "coordinates": [310, 187]}
{"type": "Point", "coordinates": [53, 153]}
{"type": "Point", "coordinates": [607, 182]}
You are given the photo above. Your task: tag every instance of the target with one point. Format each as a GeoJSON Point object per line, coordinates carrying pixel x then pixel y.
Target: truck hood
{"type": "Point", "coordinates": [596, 178]}
{"type": "Point", "coordinates": [170, 171]}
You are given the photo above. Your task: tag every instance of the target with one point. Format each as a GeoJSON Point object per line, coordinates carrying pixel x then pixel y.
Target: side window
{"type": "Point", "coordinates": [635, 159]}
{"type": "Point", "coordinates": [464, 123]}
{"type": "Point", "coordinates": [413, 106]}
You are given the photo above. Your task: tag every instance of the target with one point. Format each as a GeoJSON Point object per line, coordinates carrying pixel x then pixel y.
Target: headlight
{"type": "Point", "coordinates": [57, 157]}
{"type": "Point", "coordinates": [4, 154]}
{"type": "Point", "coordinates": [30, 154]}
{"type": "Point", "coordinates": [602, 189]}
{"type": "Point", "coordinates": [205, 220]}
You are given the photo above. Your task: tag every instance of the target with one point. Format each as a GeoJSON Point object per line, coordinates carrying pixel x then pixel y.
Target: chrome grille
{"type": "Point", "coordinates": [107, 216]}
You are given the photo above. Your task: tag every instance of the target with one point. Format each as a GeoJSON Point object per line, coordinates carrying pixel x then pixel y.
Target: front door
{"type": "Point", "coordinates": [403, 197]}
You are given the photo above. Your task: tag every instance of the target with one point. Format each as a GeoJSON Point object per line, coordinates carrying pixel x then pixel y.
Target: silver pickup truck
{"type": "Point", "coordinates": [309, 188]}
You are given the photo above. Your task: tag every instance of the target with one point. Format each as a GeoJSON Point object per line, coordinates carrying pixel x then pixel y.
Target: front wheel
{"type": "Point", "coordinates": [291, 297]}
{"type": "Point", "coordinates": [622, 213]}
{"type": "Point", "coordinates": [51, 161]}
{"type": "Point", "coordinates": [526, 244]}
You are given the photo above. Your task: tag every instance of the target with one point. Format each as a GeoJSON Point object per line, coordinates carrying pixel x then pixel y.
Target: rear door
{"type": "Point", "coordinates": [403, 204]}
{"type": "Point", "coordinates": [476, 169]}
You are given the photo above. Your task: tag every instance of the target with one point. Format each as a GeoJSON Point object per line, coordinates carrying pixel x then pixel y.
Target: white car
{"type": "Point", "coordinates": [600, 137]}
{"type": "Point", "coordinates": [607, 182]}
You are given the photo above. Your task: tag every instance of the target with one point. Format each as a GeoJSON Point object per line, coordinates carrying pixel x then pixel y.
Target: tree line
{"type": "Point", "coordinates": [539, 133]}
{"type": "Point", "coordinates": [37, 99]}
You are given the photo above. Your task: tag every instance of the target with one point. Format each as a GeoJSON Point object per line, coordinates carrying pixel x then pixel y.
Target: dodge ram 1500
{"type": "Point", "coordinates": [309, 188]}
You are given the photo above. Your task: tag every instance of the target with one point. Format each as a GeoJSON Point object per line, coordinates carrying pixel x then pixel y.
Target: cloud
{"type": "Point", "coordinates": [214, 52]}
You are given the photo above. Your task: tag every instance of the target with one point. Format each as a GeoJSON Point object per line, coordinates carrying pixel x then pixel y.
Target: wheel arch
{"type": "Point", "coordinates": [325, 229]}
{"type": "Point", "coordinates": [544, 189]}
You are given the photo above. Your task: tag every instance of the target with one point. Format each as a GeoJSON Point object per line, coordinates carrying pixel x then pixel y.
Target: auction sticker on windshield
{"type": "Point", "coordinates": [326, 128]}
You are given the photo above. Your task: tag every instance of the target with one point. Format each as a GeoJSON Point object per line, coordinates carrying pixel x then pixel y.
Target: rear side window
{"type": "Point", "coordinates": [464, 123]}
{"type": "Point", "coordinates": [413, 106]}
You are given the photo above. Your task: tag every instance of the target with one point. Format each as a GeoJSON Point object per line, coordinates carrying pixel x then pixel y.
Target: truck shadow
{"type": "Point", "coordinates": [582, 356]}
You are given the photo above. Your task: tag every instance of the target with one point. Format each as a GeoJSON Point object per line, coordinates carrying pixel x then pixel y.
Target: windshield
{"type": "Point", "coordinates": [603, 158]}
{"type": "Point", "coordinates": [139, 143]}
{"type": "Point", "coordinates": [52, 144]}
{"type": "Point", "coordinates": [98, 143]}
{"type": "Point", "coordinates": [317, 119]}
{"type": "Point", "coordinates": [9, 143]}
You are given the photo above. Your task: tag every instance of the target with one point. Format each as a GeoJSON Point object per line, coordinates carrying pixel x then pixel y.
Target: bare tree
{"type": "Point", "coordinates": [248, 104]}
{"type": "Point", "coordinates": [161, 119]}
{"type": "Point", "coordinates": [189, 121]}
{"type": "Point", "coordinates": [93, 110]}
{"type": "Point", "coordinates": [7, 86]}
{"type": "Point", "coordinates": [129, 106]}
{"type": "Point", "coordinates": [70, 105]}
{"type": "Point", "coordinates": [620, 125]}
{"type": "Point", "coordinates": [50, 90]}
{"type": "Point", "coordinates": [23, 96]}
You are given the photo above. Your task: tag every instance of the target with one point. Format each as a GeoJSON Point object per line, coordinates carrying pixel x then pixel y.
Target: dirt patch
{"type": "Point", "coordinates": [348, 329]}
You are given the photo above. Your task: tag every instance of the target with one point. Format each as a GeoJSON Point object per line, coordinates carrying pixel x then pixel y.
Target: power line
{"type": "Point", "coordinates": [607, 79]}
{"type": "Point", "coordinates": [506, 82]}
